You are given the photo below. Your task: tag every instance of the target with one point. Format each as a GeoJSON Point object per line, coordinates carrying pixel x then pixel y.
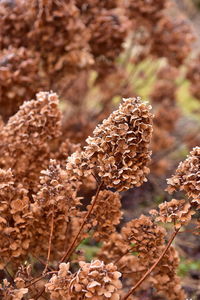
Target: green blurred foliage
{"type": "Point", "coordinates": [187, 265]}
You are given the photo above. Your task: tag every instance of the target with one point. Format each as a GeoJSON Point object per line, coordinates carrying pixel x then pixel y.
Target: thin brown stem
{"type": "Point", "coordinates": [41, 261]}
{"type": "Point", "coordinates": [118, 259]}
{"type": "Point", "coordinates": [152, 267]}
{"type": "Point", "coordinates": [39, 278]}
{"type": "Point", "coordinates": [40, 294]}
{"type": "Point", "coordinates": [50, 241]}
{"type": "Point", "coordinates": [73, 245]}
{"type": "Point", "coordinates": [9, 274]}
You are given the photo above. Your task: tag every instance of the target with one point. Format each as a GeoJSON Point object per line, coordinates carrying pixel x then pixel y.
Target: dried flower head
{"type": "Point", "coordinates": [144, 236]}
{"type": "Point", "coordinates": [106, 214]}
{"type": "Point", "coordinates": [15, 220]}
{"type": "Point", "coordinates": [20, 80]}
{"type": "Point", "coordinates": [54, 203]}
{"type": "Point", "coordinates": [22, 138]}
{"type": "Point", "coordinates": [119, 151]}
{"type": "Point", "coordinates": [93, 280]}
{"type": "Point", "coordinates": [165, 279]}
{"type": "Point", "coordinates": [187, 176]}
{"type": "Point", "coordinates": [63, 19]}
{"type": "Point", "coordinates": [172, 38]}
{"type": "Point", "coordinates": [113, 249]}
{"type": "Point", "coordinates": [97, 281]}
{"type": "Point", "coordinates": [58, 285]}
{"type": "Point", "coordinates": [177, 212]}
{"type": "Point", "coordinates": [193, 74]}
{"type": "Point", "coordinates": [9, 292]}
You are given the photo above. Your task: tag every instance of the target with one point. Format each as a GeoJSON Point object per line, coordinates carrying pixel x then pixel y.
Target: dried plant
{"type": "Point", "coordinates": [69, 159]}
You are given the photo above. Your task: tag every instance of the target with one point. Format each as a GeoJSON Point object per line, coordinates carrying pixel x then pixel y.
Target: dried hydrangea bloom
{"type": "Point", "coordinates": [161, 140]}
{"type": "Point", "coordinates": [106, 214]}
{"type": "Point", "coordinates": [59, 284]}
{"type": "Point", "coordinates": [78, 166]}
{"type": "Point", "coordinates": [108, 26]}
{"type": "Point", "coordinates": [9, 292]}
{"type": "Point", "coordinates": [193, 75]}
{"type": "Point", "coordinates": [145, 237]}
{"type": "Point", "coordinates": [187, 176]}
{"type": "Point", "coordinates": [56, 202]}
{"type": "Point", "coordinates": [15, 221]}
{"type": "Point", "coordinates": [96, 280]}
{"type": "Point", "coordinates": [37, 122]}
{"type": "Point", "coordinates": [113, 249]}
{"type": "Point", "coordinates": [108, 29]}
{"type": "Point", "coordinates": [165, 278]}
{"type": "Point", "coordinates": [145, 9]}
{"type": "Point", "coordinates": [166, 116]}
{"type": "Point", "coordinates": [119, 149]}
{"type": "Point", "coordinates": [165, 86]}
{"type": "Point", "coordinates": [178, 212]}
{"type": "Point", "coordinates": [172, 38]}
{"type": "Point", "coordinates": [14, 23]}
{"type": "Point", "coordinates": [20, 78]}
{"type": "Point", "coordinates": [61, 19]}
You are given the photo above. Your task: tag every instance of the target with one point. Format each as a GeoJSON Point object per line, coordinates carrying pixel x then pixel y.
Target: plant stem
{"type": "Point", "coordinates": [50, 241]}
{"type": "Point", "coordinates": [39, 278]}
{"type": "Point", "coordinates": [152, 267]}
{"type": "Point", "coordinates": [73, 245]}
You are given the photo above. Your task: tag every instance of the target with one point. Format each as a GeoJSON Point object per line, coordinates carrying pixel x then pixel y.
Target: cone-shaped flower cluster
{"type": "Point", "coordinates": [187, 176]}
{"type": "Point", "coordinates": [118, 152]}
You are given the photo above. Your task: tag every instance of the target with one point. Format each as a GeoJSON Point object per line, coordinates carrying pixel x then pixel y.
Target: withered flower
{"type": "Point", "coordinates": [9, 292]}
{"type": "Point", "coordinates": [193, 75]}
{"type": "Point", "coordinates": [106, 214]}
{"type": "Point", "coordinates": [20, 80]}
{"type": "Point", "coordinates": [118, 151]}
{"type": "Point", "coordinates": [22, 138]}
{"type": "Point", "coordinates": [15, 220]}
{"type": "Point", "coordinates": [54, 203]}
{"type": "Point", "coordinates": [176, 211]}
{"type": "Point", "coordinates": [145, 237]}
{"type": "Point", "coordinates": [114, 248]}
{"type": "Point", "coordinates": [187, 176]}
{"type": "Point", "coordinates": [97, 281]}
{"type": "Point", "coordinates": [58, 285]}
{"type": "Point", "coordinates": [165, 278]}
{"type": "Point", "coordinates": [172, 38]}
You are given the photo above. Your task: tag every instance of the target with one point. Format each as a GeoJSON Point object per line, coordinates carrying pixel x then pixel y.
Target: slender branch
{"type": "Point", "coordinates": [123, 254]}
{"type": "Point", "coordinates": [152, 267]}
{"type": "Point", "coordinates": [73, 245]}
{"type": "Point", "coordinates": [9, 274]}
{"type": "Point", "coordinates": [50, 241]}
{"type": "Point", "coordinates": [40, 294]}
{"type": "Point", "coordinates": [41, 261]}
{"type": "Point", "coordinates": [39, 278]}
